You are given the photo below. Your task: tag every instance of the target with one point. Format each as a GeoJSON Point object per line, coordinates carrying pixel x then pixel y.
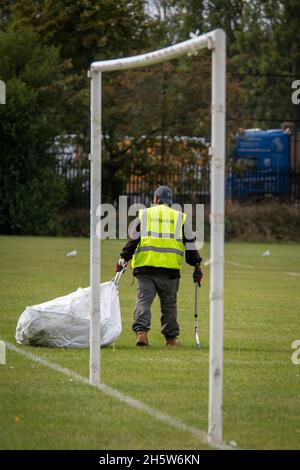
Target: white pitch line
{"type": "Point", "coordinates": [240, 362]}
{"type": "Point", "coordinates": [240, 265]}
{"type": "Point", "coordinates": [236, 362]}
{"type": "Point", "coordinates": [114, 393]}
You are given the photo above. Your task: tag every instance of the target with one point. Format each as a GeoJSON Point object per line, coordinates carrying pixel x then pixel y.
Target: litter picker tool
{"type": "Point", "coordinates": [119, 274]}
{"type": "Point", "coordinates": [196, 317]}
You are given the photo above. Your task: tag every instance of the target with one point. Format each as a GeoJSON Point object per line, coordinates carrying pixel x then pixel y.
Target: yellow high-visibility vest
{"type": "Point", "coordinates": [161, 243]}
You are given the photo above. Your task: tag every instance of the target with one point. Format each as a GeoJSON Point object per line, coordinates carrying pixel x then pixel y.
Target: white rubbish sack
{"type": "Point", "coordinates": [65, 322]}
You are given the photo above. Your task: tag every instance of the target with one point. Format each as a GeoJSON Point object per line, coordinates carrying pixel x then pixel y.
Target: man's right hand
{"type": "Point", "coordinates": [122, 264]}
{"type": "Point", "coordinates": [197, 275]}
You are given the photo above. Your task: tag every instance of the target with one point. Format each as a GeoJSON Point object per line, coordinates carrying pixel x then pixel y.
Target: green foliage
{"type": "Point", "coordinates": [76, 223]}
{"type": "Point", "coordinates": [263, 54]}
{"type": "Point", "coordinates": [31, 193]}
{"type": "Point", "coordinates": [87, 30]}
{"type": "Point", "coordinates": [34, 206]}
{"type": "Point", "coordinates": [46, 47]}
{"type": "Point", "coordinates": [267, 222]}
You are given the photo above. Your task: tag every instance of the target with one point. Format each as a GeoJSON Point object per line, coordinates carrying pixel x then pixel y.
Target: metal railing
{"type": "Point", "coordinates": [190, 184]}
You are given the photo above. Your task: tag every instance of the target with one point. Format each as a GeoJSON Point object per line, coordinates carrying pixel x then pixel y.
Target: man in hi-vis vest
{"type": "Point", "coordinates": [156, 246]}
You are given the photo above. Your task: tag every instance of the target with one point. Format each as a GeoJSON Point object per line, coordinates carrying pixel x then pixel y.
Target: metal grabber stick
{"type": "Point", "coordinates": [196, 317]}
{"type": "Point", "coordinates": [118, 275]}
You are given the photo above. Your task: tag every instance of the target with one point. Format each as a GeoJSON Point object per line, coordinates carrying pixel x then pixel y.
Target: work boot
{"type": "Point", "coordinates": [173, 342]}
{"type": "Point", "coordinates": [141, 338]}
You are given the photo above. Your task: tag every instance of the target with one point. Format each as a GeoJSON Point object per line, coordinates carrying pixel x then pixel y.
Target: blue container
{"type": "Point", "coordinates": [264, 160]}
{"type": "Point", "coordinates": [269, 149]}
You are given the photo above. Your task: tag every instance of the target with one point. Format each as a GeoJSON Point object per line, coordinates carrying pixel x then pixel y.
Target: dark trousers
{"type": "Point", "coordinates": [148, 286]}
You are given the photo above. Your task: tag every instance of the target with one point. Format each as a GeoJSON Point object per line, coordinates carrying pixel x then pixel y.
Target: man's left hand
{"type": "Point", "coordinates": [197, 275]}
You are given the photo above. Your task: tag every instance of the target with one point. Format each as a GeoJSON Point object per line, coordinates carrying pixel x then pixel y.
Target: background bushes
{"type": "Point", "coordinates": [265, 222]}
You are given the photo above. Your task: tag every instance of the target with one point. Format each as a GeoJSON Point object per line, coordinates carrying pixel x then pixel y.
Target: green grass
{"type": "Point", "coordinates": [43, 409]}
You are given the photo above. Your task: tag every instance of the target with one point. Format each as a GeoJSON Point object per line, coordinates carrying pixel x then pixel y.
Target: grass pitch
{"type": "Point", "coordinates": [43, 409]}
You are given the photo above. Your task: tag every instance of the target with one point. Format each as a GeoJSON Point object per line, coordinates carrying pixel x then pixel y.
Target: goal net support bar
{"type": "Point", "coordinates": [216, 42]}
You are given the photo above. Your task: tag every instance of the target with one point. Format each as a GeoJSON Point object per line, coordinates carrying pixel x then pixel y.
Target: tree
{"type": "Point", "coordinates": [76, 32]}
{"type": "Point", "coordinates": [267, 56]}
{"type": "Point", "coordinates": [262, 54]}
{"type": "Point", "coordinates": [85, 31]}
{"type": "Point", "coordinates": [31, 193]}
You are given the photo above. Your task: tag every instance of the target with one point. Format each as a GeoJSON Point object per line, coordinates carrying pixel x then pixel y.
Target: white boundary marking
{"type": "Point", "coordinates": [240, 265]}
{"type": "Point", "coordinates": [114, 393]}
{"type": "Point", "coordinates": [237, 362]}
{"type": "Point", "coordinates": [293, 274]}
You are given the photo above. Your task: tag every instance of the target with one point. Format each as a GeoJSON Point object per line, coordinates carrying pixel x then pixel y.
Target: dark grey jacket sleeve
{"type": "Point", "coordinates": [133, 240]}
{"type": "Point", "coordinates": [192, 256]}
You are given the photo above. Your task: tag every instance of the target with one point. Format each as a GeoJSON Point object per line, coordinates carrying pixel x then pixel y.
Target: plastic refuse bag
{"type": "Point", "coordinates": [64, 322]}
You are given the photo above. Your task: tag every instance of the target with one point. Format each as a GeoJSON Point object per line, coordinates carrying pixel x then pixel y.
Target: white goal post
{"type": "Point", "coordinates": [216, 42]}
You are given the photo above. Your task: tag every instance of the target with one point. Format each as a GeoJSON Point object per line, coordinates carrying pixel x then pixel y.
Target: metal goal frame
{"type": "Point", "coordinates": [216, 42]}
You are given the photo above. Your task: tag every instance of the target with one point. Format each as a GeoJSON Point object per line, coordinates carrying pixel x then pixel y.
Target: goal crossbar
{"type": "Point", "coordinates": [216, 42]}
{"type": "Point", "coordinates": [155, 57]}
